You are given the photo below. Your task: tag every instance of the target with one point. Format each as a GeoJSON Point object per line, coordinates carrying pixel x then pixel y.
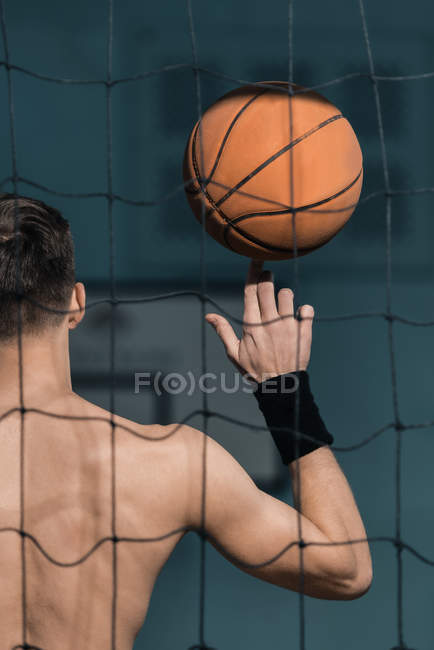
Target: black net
{"type": "Point", "coordinates": [116, 303]}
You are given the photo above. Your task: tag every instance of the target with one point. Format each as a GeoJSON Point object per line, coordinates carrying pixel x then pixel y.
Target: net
{"type": "Point", "coordinates": [387, 315]}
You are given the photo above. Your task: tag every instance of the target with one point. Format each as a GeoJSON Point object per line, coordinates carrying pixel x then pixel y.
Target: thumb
{"type": "Point", "coordinates": [226, 333]}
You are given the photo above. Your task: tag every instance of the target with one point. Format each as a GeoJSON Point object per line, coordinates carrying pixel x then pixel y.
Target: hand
{"type": "Point", "coordinates": [270, 349]}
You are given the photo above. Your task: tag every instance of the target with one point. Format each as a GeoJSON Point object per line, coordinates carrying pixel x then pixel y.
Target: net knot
{"type": "Point", "coordinates": [399, 426]}
{"type": "Point", "coordinates": [302, 543]}
{"type": "Point", "coordinates": [202, 534]}
{"type": "Point", "coordinates": [115, 539]}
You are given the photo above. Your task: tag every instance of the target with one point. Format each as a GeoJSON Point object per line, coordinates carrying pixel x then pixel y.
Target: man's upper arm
{"type": "Point", "coordinates": [250, 527]}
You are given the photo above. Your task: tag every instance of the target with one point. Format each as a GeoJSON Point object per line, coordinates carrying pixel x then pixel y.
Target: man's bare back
{"type": "Point", "coordinates": [69, 510]}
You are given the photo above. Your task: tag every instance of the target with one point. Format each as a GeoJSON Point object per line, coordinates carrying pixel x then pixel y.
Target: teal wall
{"type": "Point", "coordinates": [61, 144]}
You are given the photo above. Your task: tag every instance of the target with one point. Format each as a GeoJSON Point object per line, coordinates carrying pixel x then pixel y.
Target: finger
{"type": "Point", "coordinates": [306, 314]}
{"type": "Point", "coordinates": [266, 297]}
{"type": "Point", "coordinates": [226, 333]}
{"type": "Point", "coordinates": [252, 313]}
{"type": "Point", "coordinates": [285, 302]}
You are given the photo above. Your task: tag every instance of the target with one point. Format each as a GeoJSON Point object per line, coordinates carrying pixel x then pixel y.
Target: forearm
{"type": "Point", "coordinates": [321, 491]}
{"type": "Point", "coordinates": [323, 495]}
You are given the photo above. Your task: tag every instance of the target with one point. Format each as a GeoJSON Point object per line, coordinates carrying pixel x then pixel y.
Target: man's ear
{"type": "Point", "coordinates": [77, 305]}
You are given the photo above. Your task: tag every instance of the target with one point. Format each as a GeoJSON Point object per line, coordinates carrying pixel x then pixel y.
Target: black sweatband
{"type": "Point", "coordinates": [279, 398]}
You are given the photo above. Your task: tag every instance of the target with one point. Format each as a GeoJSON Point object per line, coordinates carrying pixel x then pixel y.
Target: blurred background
{"type": "Point", "coordinates": [61, 138]}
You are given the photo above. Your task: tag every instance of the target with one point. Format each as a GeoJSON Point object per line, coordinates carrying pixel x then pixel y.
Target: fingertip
{"type": "Point", "coordinates": [306, 312]}
{"type": "Point", "coordinates": [211, 318]}
{"type": "Point", "coordinates": [286, 292]}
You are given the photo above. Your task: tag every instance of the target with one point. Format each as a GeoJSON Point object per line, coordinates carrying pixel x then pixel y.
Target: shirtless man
{"type": "Point", "coordinates": [66, 464]}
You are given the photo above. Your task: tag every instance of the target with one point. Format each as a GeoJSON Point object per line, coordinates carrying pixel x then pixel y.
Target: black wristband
{"type": "Point", "coordinates": [279, 399]}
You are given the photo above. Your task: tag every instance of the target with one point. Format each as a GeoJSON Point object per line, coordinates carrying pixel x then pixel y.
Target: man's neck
{"type": "Point", "coordinates": [45, 370]}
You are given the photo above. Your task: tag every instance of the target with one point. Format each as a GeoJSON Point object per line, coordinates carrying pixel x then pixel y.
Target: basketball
{"type": "Point", "coordinates": [262, 166]}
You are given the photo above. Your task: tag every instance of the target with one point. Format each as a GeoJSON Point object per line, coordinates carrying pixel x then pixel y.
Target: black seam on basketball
{"type": "Point", "coordinates": [229, 129]}
{"type": "Point", "coordinates": [247, 236]}
{"type": "Point", "coordinates": [225, 137]}
{"type": "Point", "coordinates": [228, 222]}
{"type": "Point", "coordinates": [279, 153]}
{"type": "Point", "coordinates": [215, 208]}
{"type": "Point", "coordinates": [301, 208]}
{"type": "Point", "coordinates": [225, 236]}
{"type": "Point", "coordinates": [254, 240]}
{"type": "Point", "coordinates": [193, 191]}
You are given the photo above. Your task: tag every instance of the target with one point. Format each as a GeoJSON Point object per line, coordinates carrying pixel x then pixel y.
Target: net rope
{"type": "Point", "coordinates": [396, 426]}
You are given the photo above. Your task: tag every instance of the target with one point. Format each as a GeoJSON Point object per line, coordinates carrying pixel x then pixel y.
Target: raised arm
{"type": "Point", "coordinates": [251, 527]}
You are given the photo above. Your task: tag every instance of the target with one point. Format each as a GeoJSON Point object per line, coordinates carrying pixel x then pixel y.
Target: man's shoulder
{"type": "Point", "coordinates": [172, 436]}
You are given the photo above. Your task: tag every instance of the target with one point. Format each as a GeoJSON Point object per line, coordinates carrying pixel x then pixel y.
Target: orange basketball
{"type": "Point", "coordinates": [256, 180]}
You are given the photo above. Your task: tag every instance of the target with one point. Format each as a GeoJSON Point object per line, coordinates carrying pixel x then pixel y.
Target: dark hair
{"type": "Point", "coordinates": [36, 262]}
